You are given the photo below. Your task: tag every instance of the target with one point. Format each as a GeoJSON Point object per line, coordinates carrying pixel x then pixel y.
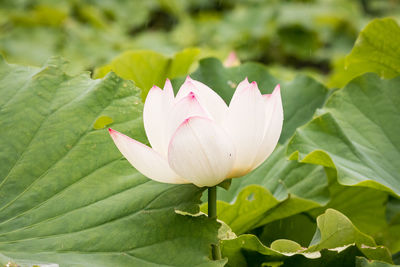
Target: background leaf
{"type": "Point", "coordinates": [148, 68]}
{"type": "Point", "coordinates": [356, 134]}
{"type": "Point", "coordinates": [377, 49]}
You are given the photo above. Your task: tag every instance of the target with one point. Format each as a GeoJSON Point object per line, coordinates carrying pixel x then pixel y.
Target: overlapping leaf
{"type": "Point", "coordinates": [335, 243]}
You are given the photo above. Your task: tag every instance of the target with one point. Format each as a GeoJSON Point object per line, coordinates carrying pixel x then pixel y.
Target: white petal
{"type": "Point", "coordinates": [273, 128]}
{"type": "Point", "coordinates": [145, 160]}
{"type": "Point", "coordinates": [155, 114]}
{"type": "Point", "coordinates": [169, 91]}
{"type": "Point", "coordinates": [208, 99]}
{"type": "Point", "coordinates": [187, 107]}
{"type": "Point", "coordinates": [245, 123]}
{"type": "Point", "coordinates": [201, 152]}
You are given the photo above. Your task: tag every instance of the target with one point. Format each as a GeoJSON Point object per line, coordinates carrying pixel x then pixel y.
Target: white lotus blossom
{"type": "Point", "coordinates": [197, 138]}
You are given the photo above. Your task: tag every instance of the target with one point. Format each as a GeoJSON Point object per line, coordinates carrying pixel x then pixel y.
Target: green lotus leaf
{"type": "Point", "coordinates": [67, 194]}
{"type": "Point", "coordinates": [356, 134]}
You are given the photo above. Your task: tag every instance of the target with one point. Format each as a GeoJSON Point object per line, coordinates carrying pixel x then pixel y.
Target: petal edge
{"type": "Point", "coordinates": [146, 160]}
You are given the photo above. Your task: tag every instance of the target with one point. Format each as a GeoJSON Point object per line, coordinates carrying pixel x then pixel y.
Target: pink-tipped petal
{"type": "Point", "coordinates": [201, 151]}
{"type": "Point", "coordinates": [155, 114]}
{"type": "Point", "coordinates": [207, 98]}
{"type": "Point", "coordinates": [145, 160]}
{"type": "Point", "coordinates": [245, 123]}
{"type": "Point", "coordinates": [186, 88]}
{"type": "Point", "coordinates": [187, 107]}
{"type": "Point", "coordinates": [273, 127]}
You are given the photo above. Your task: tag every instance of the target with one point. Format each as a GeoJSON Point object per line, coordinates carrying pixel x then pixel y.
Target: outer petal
{"type": "Point", "coordinates": [155, 114]}
{"type": "Point", "coordinates": [145, 160]}
{"type": "Point", "coordinates": [246, 123]}
{"type": "Point", "coordinates": [187, 107]}
{"type": "Point", "coordinates": [273, 128]}
{"type": "Point", "coordinates": [201, 151]}
{"type": "Point", "coordinates": [207, 98]}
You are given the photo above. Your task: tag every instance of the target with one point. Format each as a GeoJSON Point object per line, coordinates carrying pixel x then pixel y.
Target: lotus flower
{"type": "Point", "coordinates": [196, 138]}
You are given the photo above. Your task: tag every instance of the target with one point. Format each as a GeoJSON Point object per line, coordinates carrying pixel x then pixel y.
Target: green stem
{"type": "Point", "coordinates": [212, 214]}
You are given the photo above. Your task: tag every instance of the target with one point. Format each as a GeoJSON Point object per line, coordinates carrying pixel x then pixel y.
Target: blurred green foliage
{"type": "Point", "coordinates": [148, 68]}
{"type": "Point", "coordinates": [308, 35]}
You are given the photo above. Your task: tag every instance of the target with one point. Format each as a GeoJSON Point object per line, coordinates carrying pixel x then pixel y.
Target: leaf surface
{"type": "Point", "coordinates": [357, 134]}
{"type": "Point", "coordinates": [67, 194]}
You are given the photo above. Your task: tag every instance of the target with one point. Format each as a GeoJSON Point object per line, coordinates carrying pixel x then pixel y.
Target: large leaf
{"type": "Point", "coordinates": [147, 68]}
{"type": "Point", "coordinates": [357, 134]}
{"type": "Point", "coordinates": [335, 235]}
{"type": "Point", "coordinates": [67, 194]}
{"type": "Point", "coordinates": [377, 49]}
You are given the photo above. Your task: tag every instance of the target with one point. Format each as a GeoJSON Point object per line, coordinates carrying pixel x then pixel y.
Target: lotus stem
{"type": "Point", "coordinates": [212, 214]}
